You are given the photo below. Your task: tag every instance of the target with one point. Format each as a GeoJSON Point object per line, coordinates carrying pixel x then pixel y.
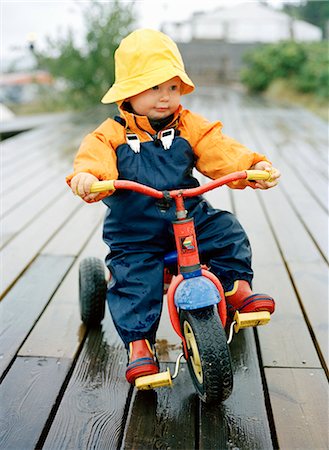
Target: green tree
{"type": "Point", "coordinates": [314, 11]}
{"type": "Point", "coordinates": [87, 72]}
{"type": "Point", "coordinates": [304, 65]}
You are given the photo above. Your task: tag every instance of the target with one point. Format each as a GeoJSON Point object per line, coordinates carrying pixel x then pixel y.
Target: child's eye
{"type": "Point", "coordinates": [174, 87]}
{"type": "Point", "coordinates": [155, 88]}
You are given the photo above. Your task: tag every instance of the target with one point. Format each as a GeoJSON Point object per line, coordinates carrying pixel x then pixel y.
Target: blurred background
{"type": "Point", "coordinates": [58, 56]}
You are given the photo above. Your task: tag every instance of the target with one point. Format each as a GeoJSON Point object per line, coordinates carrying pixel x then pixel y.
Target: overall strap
{"type": "Point", "coordinates": [131, 138]}
{"type": "Point", "coordinates": [164, 137]}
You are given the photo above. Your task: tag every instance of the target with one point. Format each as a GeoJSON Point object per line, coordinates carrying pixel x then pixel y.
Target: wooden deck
{"type": "Point", "coordinates": [64, 388]}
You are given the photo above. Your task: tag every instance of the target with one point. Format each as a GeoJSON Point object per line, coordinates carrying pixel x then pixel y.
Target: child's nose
{"type": "Point", "coordinates": [165, 94]}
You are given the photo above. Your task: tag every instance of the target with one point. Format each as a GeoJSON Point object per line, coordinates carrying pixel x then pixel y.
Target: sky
{"type": "Point", "coordinates": [24, 19]}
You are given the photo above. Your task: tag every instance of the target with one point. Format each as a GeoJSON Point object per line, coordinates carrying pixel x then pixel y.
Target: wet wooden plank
{"type": "Point", "coordinates": [25, 302]}
{"type": "Point", "coordinates": [305, 138]}
{"type": "Point", "coordinates": [93, 407]}
{"type": "Point", "coordinates": [164, 418]}
{"type": "Point", "coordinates": [34, 160]}
{"type": "Point", "coordinates": [310, 212]}
{"type": "Point", "coordinates": [312, 174]}
{"type": "Point", "coordinates": [219, 198]}
{"type": "Point", "coordinates": [60, 331]}
{"type": "Point", "coordinates": [28, 395]}
{"type": "Point", "coordinates": [80, 225]}
{"type": "Point", "coordinates": [18, 147]}
{"type": "Point", "coordinates": [252, 216]}
{"type": "Point", "coordinates": [33, 239]}
{"type": "Point", "coordinates": [43, 155]}
{"type": "Point", "coordinates": [19, 217]}
{"type": "Point", "coordinates": [312, 281]}
{"type": "Point", "coordinates": [28, 122]}
{"type": "Point", "coordinates": [286, 341]}
{"type": "Point", "coordinates": [30, 188]}
{"type": "Point", "coordinates": [295, 139]}
{"type": "Point", "coordinates": [241, 421]}
{"type": "Point", "coordinates": [30, 151]}
{"type": "Point", "coordinates": [289, 231]}
{"type": "Point", "coordinates": [306, 265]}
{"type": "Point", "coordinates": [299, 399]}
{"type": "Point", "coordinates": [34, 176]}
{"type": "Point", "coordinates": [12, 180]}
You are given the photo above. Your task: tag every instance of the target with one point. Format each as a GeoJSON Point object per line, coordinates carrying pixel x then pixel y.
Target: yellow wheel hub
{"type": "Point", "coordinates": [193, 351]}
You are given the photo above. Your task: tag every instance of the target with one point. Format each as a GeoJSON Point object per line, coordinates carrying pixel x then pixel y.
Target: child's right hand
{"type": "Point", "coordinates": [81, 184]}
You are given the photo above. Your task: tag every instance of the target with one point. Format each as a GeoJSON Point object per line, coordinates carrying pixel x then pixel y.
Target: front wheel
{"type": "Point", "coordinates": [209, 359]}
{"type": "Point", "coordinates": [92, 291]}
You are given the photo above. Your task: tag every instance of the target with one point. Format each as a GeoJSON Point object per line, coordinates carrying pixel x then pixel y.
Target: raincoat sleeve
{"type": "Point", "coordinates": [217, 154]}
{"type": "Point", "coordinates": [96, 154]}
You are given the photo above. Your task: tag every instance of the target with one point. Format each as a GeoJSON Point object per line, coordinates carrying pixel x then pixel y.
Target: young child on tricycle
{"type": "Point", "coordinates": [157, 143]}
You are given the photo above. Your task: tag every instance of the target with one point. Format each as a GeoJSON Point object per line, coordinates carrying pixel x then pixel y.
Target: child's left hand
{"type": "Point", "coordinates": [275, 175]}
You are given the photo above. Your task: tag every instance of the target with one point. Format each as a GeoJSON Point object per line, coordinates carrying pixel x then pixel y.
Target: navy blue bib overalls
{"type": "Point", "coordinates": [138, 231]}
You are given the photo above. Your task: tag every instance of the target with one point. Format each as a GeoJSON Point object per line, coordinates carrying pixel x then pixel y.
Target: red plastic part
{"type": "Point", "coordinates": [173, 313]}
{"type": "Point", "coordinates": [146, 190]}
{"type": "Point", "coordinates": [242, 175]}
{"type": "Point", "coordinates": [222, 309]}
{"type": "Point", "coordinates": [186, 243]}
{"type": "Point", "coordinates": [180, 207]}
{"type": "Point", "coordinates": [137, 187]}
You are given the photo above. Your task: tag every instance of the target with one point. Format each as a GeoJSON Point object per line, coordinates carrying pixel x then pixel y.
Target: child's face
{"type": "Point", "coordinates": [158, 102]}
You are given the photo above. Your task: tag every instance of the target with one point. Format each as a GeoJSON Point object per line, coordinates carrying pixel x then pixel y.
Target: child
{"type": "Point", "coordinates": [150, 78]}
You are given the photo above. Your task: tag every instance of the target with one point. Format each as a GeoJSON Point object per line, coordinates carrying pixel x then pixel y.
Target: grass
{"type": "Point", "coordinates": [40, 105]}
{"type": "Point", "coordinates": [32, 108]}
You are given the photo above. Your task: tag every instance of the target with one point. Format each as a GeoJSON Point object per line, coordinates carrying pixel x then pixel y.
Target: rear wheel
{"type": "Point", "coordinates": [209, 359]}
{"type": "Point", "coordinates": [92, 291]}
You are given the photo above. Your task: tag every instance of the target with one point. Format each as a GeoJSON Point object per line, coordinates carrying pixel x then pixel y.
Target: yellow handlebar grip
{"type": "Point", "coordinates": [253, 175]}
{"type": "Point", "coordinates": [102, 186]}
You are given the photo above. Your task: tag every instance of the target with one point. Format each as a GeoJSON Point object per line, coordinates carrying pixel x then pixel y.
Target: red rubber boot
{"type": "Point", "coordinates": [142, 360]}
{"type": "Point", "coordinates": [242, 298]}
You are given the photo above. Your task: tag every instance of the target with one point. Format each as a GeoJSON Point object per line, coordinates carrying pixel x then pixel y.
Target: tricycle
{"type": "Point", "coordinates": [195, 296]}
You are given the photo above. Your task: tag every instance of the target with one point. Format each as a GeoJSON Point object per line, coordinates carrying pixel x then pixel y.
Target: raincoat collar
{"type": "Point", "coordinates": [136, 123]}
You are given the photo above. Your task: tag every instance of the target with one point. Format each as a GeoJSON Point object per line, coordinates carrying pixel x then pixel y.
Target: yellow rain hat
{"type": "Point", "coordinates": [145, 58]}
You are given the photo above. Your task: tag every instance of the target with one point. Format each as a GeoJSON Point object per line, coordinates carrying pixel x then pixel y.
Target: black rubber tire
{"type": "Point", "coordinates": [213, 380]}
{"type": "Point", "coordinates": [92, 291]}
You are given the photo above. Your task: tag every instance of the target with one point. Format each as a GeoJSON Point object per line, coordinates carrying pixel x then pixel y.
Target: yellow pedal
{"type": "Point", "coordinates": [154, 381]}
{"type": "Point", "coordinates": [252, 319]}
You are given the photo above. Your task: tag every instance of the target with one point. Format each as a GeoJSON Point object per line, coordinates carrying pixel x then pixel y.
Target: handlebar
{"type": "Point", "coordinates": [112, 185]}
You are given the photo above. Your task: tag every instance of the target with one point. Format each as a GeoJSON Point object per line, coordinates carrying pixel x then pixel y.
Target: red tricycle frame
{"type": "Point", "coordinates": [185, 236]}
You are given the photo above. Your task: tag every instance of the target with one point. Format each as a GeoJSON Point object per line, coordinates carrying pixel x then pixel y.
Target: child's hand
{"type": "Point", "coordinates": [275, 175]}
{"type": "Point", "coordinates": [81, 184]}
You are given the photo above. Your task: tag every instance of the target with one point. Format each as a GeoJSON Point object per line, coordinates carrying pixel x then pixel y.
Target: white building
{"type": "Point", "coordinates": [248, 22]}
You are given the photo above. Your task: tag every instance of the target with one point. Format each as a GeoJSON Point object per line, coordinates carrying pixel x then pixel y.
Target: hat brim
{"type": "Point", "coordinates": [133, 86]}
